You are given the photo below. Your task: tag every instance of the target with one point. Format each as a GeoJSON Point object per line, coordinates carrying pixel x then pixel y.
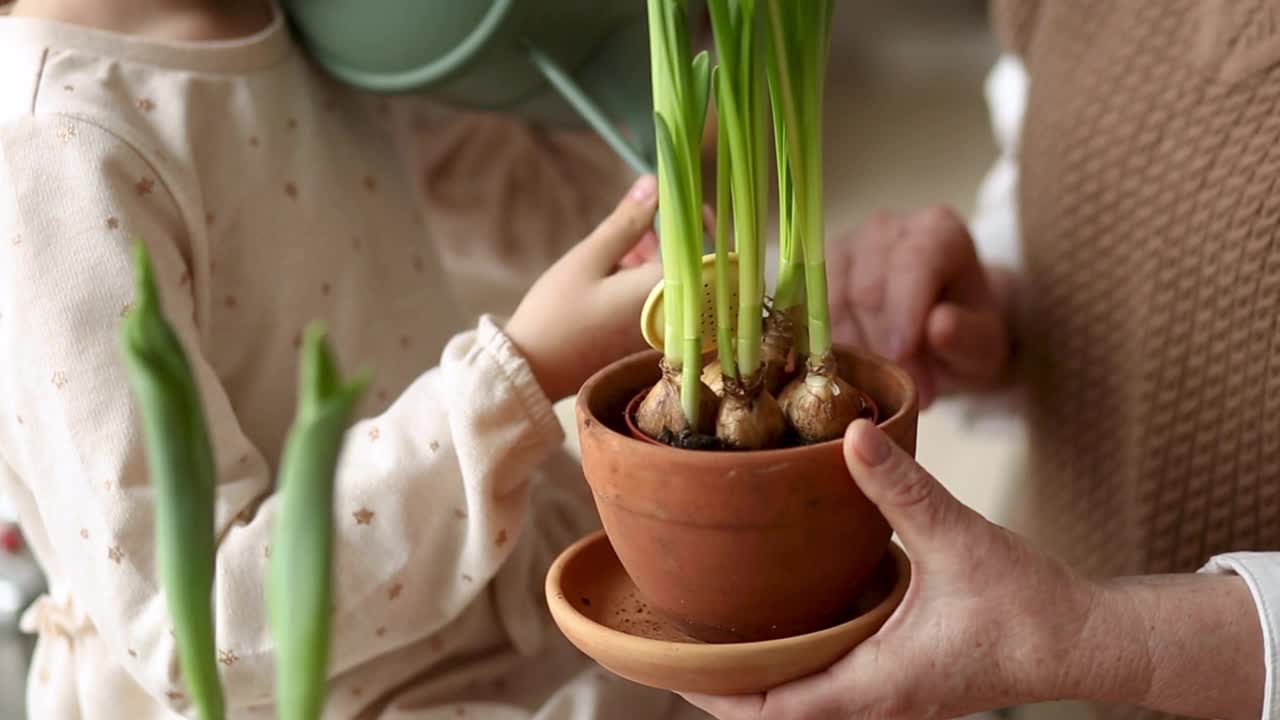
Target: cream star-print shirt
{"type": "Point", "coordinates": [268, 197]}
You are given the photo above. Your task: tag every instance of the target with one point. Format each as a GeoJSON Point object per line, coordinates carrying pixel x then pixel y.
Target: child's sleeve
{"type": "Point", "coordinates": [430, 496]}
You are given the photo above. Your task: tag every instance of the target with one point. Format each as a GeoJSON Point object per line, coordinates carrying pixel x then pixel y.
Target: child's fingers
{"type": "Point", "coordinates": [626, 290]}
{"type": "Point", "coordinates": [611, 241]}
{"type": "Point", "coordinates": [644, 251]}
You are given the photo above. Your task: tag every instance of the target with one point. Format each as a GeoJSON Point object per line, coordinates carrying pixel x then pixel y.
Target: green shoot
{"type": "Point", "coordinates": [681, 88]}
{"type": "Point", "coordinates": [741, 99]}
{"type": "Point", "coordinates": [299, 588]}
{"type": "Point", "coordinates": [800, 36]}
{"type": "Point", "coordinates": [788, 293]}
{"type": "Point", "coordinates": [183, 479]}
{"type": "Point", "coordinates": [724, 309]}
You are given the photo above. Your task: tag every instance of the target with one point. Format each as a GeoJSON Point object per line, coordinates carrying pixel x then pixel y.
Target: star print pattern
{"type": "Point", "coordinates": [374, 285]}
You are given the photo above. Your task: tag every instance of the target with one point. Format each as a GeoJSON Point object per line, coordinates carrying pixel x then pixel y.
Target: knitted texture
{"type": "Point", "coordinates": [1149, 205]}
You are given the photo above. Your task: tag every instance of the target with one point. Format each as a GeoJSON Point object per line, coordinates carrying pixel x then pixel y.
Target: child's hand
{"type": "Point", "coordinates": [910, 287]}
{"type": "Point", "coordinates": [584, 312]}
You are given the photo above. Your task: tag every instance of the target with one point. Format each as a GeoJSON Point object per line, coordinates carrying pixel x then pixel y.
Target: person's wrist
{"type": "Point", "coordinates": [553, 386]}
{"type": "Point", "coordinates": [546, 374]}
{"type": "Point", "coordinates": [553, 380]}
{"type": "Point", "coordinates": [1054, 656]}
{"type": "Point", "coordinates": [1110, 658]}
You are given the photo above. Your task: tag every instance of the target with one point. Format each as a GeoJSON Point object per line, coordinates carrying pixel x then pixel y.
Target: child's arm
{"type": "Point", "coordinates": [430, 496]}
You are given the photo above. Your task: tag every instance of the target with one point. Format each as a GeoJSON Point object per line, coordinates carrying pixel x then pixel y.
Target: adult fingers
{"type": "Point", "coordinates": [929, 519]}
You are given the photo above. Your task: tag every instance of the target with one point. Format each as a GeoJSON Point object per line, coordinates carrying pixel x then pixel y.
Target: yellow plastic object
{"type": "Point", "coordinates": [652, 318]}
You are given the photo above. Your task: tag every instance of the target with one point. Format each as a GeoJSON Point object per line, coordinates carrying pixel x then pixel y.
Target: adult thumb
{"type": "Point", "coordinates": [919, 509]}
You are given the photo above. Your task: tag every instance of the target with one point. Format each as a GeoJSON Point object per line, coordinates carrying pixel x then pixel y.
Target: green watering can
{"type": "Point", "coordinates": [565, 63]}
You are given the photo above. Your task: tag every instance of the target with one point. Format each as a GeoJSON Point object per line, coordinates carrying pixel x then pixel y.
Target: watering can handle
{"type": "Point", "coordinates": [589, 110]}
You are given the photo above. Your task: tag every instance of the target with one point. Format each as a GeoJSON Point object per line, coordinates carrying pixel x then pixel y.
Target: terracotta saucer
{"type": "Point", "coordinates": [598, 608]}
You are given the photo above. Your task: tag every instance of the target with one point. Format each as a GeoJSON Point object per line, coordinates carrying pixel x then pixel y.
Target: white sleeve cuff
{"type": "Point", "coordinates": [1261, 572]}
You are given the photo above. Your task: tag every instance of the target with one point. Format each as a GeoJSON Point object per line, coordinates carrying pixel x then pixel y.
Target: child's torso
{"type": "Point", "coordinates": [294, 205]}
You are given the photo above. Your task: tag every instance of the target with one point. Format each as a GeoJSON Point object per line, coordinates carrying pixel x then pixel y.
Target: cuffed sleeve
{"type": "Point", "coordinates": [1261, 572]}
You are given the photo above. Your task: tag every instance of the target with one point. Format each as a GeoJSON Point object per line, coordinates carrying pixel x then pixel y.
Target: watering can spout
{"type": "Point", "coordinates": [601, 115]}
{"type": "Point", "coordinates": [611, 93]}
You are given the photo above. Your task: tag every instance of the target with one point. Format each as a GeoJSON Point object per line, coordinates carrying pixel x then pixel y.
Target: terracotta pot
{"type": "Point", "coordinates": [739, 546]}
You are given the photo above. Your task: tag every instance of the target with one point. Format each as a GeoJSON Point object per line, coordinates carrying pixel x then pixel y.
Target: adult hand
{"type": "Point", "coordinates": [990, 622]}
{"type": "Point", "coordinates": [980, 627]}
{"type": "Point", "coordinates": [910, 287]}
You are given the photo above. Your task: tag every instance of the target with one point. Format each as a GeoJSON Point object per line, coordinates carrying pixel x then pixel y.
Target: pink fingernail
{"type": "Point", "coordinates": [870, 443]}
{"type": "Point", "coordinates": [645, 189]}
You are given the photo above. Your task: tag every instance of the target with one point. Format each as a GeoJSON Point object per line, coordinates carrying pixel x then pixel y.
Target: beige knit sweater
{"type": "Point", "coordinates": [1149, 162]}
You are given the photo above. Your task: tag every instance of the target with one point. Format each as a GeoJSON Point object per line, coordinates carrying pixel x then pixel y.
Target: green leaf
{"type": "Point", "coordinates": [183, 480]}
{"type": "Point", "coordinates": [668, 154]}
{"type": "Point", "coordinates": [701, 75]}
{"type": "Point", "coordinates": [299, 587]}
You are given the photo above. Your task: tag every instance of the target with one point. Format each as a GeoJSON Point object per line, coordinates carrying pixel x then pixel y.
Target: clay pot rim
{"type": "Point", "coordinates": [693, 652]}
{"type": "Point", "coordinates": [780, 454]}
